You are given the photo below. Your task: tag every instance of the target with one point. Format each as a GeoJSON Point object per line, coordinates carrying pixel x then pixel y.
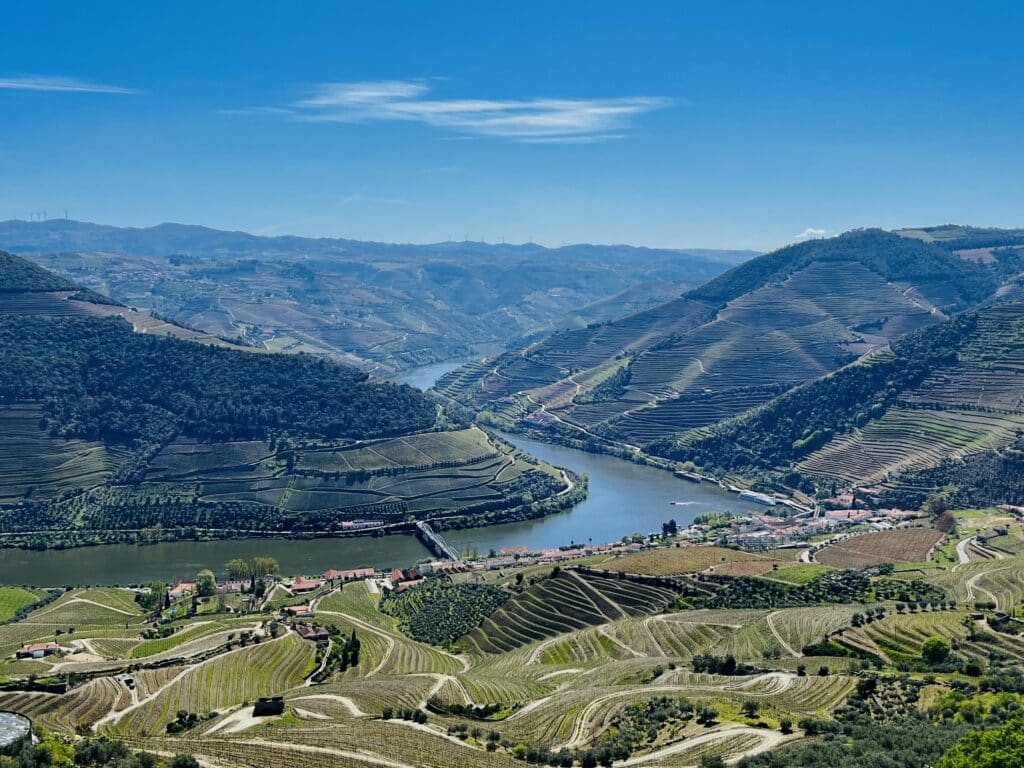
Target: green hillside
{"type": "Point", "coordinates": [747, 336]}
{"type": "Point", "coordinates": [940, 409]}
{"type": "Point", "coordinates": [114, 422]}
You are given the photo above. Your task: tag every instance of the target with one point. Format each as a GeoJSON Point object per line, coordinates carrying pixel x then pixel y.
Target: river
{"type": "Point", "coordinates": [426, 376]}
{"type": "Point", "coordinates": [623, 498]}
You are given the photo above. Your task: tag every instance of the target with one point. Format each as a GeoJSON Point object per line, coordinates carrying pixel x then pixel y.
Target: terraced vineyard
{"type": "Point", "coordinates": [554, 667]}
{"type": "Point", "coordinates": [729, 347]}
{"type": "Point", "coordinates": [89, 406]}
{"type": "Point", "coordinates": [907, 439]}
{"type": "Point", "coordinates": [563, 603]}
{"type": "Point", "coordinates": [271, 667]}
{"type": "Point", "coordinates": [34, 466]}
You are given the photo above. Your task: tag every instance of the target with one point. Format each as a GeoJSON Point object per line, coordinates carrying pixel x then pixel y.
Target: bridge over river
{"type": "Point", "coordinates": [436, 542]}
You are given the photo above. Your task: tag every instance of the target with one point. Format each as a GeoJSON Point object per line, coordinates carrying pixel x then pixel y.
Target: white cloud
{"type": "Point", "coordinates": [63, 84]}
{"type": "Point", "coordinates": [811, 233]}
{"type": "Point", "coordinates": [532, 120]}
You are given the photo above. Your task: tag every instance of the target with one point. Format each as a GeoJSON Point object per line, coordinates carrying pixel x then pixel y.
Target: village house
{"type": "Point", "coordinates": [302, 584]}
{"type": "Point", "coordinates": [334, 576]}
{"type": "Point", "coordinates": [298, 611]}
{"type": "Point", "coordinates": [37, 650]}
{"type": "Point", "coordinates": [312, 632]}
{"type": "Point", "coordinates": [181, 589]}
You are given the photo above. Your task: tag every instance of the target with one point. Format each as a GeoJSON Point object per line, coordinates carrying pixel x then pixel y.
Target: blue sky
{"type": "Point", "coordinates": [668, 124]}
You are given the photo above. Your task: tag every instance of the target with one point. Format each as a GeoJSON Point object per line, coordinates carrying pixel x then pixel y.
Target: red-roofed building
{"type": "Point", "coordinates": [406, 584]}
{"type": "Point", "coordinates": [302, 584]}
{"type": "Point", "coordinates": [37, 650]}
{"type": "Point", "coordinates": [181, 589]}
{"type": "Point", "coordinates": [298, 611]}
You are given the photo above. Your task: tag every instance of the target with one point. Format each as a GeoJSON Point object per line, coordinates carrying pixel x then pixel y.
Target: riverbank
{"type": "Point", "coordinates": [623, 498]}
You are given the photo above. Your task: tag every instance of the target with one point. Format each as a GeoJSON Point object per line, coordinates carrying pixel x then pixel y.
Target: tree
{"type": "Point", "coordinates": [206, 583]}
{"type": "Point", "coordinates": [239, 568]}
{"type": "Point", "coordinates": [265, 566]}
{"type": "Point", "coordinates": [997, 748]}
{"type": "Point", "coordinates": [706, 715]}
{"type": "Point", "coordinates": [750, 708]}
{"type": "Point", "coordinates": [183, 761]}
{"type": "Point", "coordinates": [786, 726]}
{"type": "Point", "coordinates": [712, 761]}
{"type": "Point", "coordinates": [935, 650]}
{"type": "Point", "coordinates": [154, 598]}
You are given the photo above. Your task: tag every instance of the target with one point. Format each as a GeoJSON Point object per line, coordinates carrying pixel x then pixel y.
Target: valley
{"type": "Point", "coordinates": [616, 599]}
{"type": "Point", "coordinates": [382, 307]}
{"type": "Point", "coordinates": [607, 657]}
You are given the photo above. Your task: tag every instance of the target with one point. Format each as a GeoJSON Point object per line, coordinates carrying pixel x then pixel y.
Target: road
{"type": "Point", "coordinates": [961, 552]}
{"type": "Point", "coordinates": [769, 740]}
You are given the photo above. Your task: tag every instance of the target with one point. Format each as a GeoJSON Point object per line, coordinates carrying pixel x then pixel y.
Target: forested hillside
{"type": "Point", "coordinates": [112, 422]}
{"type": "Point", "coordinates": [100, 380]}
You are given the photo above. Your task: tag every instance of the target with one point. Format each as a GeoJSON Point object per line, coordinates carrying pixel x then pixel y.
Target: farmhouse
{"type": "Point", "coordinates": [37, 650]}
{"type": "Point", "coordinates": [333, 575]}
{"type": "Point", "coordinates": [302, 584]}
{"type": "Point", "coordinates": [312, 632]}
{"type": "Point", "coordinates": [181, 589]}
{"type": "Point", "coordinates": [298, 611]}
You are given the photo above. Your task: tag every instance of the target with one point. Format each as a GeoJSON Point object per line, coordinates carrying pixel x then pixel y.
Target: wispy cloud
{"type": "Point", "coordinates": [811, 233]}
{"type": "Point", "coordinates": [539, 120]}
{"type": "Point", "coordinates": [63, 84]}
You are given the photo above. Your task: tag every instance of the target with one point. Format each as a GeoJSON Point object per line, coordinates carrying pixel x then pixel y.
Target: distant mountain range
{"type": "Point", "coordinates": [869, 359]}
{"type": "Point", "coordinates": [381, 306]}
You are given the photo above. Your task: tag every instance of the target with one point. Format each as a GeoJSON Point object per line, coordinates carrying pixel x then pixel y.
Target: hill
{"type": "Point", "coordinates": [735, 343]}
{"type": "Point", "coordinates": [941, 409]}
{"type": "Point", "coordinates": [112, 422]}
{"type": "Point", "coordinates": [380, 306]}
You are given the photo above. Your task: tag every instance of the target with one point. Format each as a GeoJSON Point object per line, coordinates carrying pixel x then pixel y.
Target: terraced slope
{"type": "Point", "coordinates": [773, 323]}
{"type": "Point", "coordinates": [562, 603]}
{"type": "Point", "coordinates": [940, 408]}
{"type": "Point", "coordinates": [113, 421]}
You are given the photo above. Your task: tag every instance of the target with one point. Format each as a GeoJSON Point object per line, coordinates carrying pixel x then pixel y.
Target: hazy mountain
{"type": "Point", "coordinates": [380, 306]}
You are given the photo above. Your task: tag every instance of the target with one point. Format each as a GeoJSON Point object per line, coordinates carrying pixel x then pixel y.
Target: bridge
{"type": "Point", "coordinates": [436, 542]}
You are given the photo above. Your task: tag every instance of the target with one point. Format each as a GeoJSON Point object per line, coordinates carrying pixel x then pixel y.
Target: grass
{"type": "Point", "coordinates": [12, 599]}
{"type": "Point", "coordinates": [802, 573]}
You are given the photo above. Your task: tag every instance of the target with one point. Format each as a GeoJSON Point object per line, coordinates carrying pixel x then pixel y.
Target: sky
{"type": "Point", "coordinates": [671, 124]}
